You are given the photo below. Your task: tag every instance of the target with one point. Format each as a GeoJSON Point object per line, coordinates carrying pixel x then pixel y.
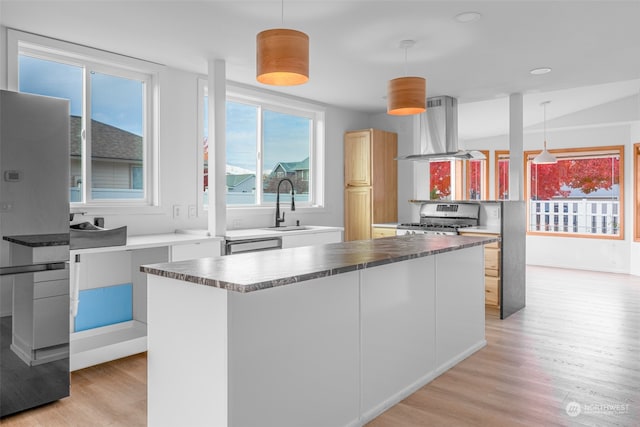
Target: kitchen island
{"type": "Point", "coordinates": [328, 335]}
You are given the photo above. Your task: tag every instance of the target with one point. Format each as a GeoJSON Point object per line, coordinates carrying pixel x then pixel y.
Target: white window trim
{"type": "Point", "coordinates": [284, 104]}
{"type": "Point", "coordinates": [107, 62]}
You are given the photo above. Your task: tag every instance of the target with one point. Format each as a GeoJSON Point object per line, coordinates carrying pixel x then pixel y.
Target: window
{"type": "Point", "coordinates": [581, 194]}
{"type": "Point", "coordinates": [477, 185]}
{"type": "Point", "coordinates": [440, 185]}
{"type": "Point", "coordinates": [502, 175]}
{"type": "Point", "coordinates": [447, 185]}
{"type": "Point", "coordinates": [110, 106]}
{"type": "Point", "coordinates": [268, 139]}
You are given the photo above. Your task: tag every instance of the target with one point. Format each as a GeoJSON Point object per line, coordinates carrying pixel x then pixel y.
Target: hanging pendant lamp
{"type": "Point", "coordinates": [282, 56]}
{"type": "Point", "coordinates": [545, 157]}
{"type": "Point", "coordinates": [406, 95]}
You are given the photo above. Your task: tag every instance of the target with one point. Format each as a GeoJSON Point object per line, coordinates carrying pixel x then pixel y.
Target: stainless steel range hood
{"type": "Point", "coordinates": [439, 133]}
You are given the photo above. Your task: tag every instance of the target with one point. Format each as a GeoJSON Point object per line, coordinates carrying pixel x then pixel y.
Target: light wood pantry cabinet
{"type": "Point", "coordinates": [492, 270]}
{"type": "Point", "coordinates": [371, 181]}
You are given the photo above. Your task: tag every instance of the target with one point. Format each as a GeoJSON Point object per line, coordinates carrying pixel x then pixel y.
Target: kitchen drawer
{"type": "Point", "coordinates": [377, 232]}
{"type": "Point", "coordinates": [492, 272]}
{"type": "Point", "coordinates": [50, 321]}
{"type": "Point", "coordinates": [493, 245]}
{"type": "Point", "coordinates": [50, 288]}
{"type": "Point", "coordinates": [491, 290]}
{"type": "Point", "coordinates": [491, 259]}
{"type": "Point", "coordinates": [44, 276]}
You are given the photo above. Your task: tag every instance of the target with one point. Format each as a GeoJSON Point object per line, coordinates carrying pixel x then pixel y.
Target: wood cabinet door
{"type": "Point", "coordinates": [357, 213]}
{"type": "Point", "coordinates": [357, 159]}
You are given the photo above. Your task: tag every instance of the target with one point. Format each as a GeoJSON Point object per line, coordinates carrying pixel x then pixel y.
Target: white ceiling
{"type": "Point", "coordinates": [592, 46]}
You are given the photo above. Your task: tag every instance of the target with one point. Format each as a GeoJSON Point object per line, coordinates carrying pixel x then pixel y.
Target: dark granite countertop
{"type": "Point", "coordinates": [261, 270]}
{"type": "Point", "coordinates": [40, 240]}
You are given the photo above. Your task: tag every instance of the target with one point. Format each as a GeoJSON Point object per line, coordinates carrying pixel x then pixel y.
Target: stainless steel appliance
{"type": "Point", "coordinates": [439, 133]}
{"type": "Point", "coordinates": [442, 218]}
{"type": "Point", "coordinates": [34, 244]}
{"type": "Point", "coordinates": [237, 246]}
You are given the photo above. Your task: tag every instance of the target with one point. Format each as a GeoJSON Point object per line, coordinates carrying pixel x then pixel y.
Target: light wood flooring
{"type": "Point", "coordinates": [577, 342]}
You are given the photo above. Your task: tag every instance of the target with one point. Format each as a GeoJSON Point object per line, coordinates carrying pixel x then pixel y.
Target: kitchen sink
{"type": "Point", "coordinates": [287, 228]}
{"type": "Point", "coordinates": [86, 235]}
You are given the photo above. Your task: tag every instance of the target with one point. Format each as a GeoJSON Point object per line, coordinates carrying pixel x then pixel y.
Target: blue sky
{"type": "Point", "coordinates": [115, 101]}
{"type": "Point", "coordinates": [119, 102]}
{"type": "Point", "coordinates": [286, 137]}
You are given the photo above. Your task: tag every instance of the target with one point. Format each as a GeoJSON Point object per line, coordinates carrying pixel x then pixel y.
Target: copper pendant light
{"type": "Point", "coordinates": [406, 95]}
{"type": "Point", "coordinates": [282, 56]}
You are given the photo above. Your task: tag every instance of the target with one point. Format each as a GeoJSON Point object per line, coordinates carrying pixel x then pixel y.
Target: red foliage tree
{"type": "Point", "coordinates": [440, 179]}
{"type": "Point", "coordinates": [587, 175]}
{"type": "Point", "coordinates": [503, 179]}
{"type": "Point", "coordinates": [590, 175]}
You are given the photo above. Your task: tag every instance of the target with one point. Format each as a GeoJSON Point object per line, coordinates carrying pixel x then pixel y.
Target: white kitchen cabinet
{"type": "Point", "coordinates": [195, 250]}
{"type": "Point", "coordinates": [309, 239]}
{"type": "Point", "coordinates": [111, 266]}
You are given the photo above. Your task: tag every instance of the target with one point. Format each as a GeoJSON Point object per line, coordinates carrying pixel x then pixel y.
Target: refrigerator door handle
{"type": "Point", "coordinates": [34, 268]}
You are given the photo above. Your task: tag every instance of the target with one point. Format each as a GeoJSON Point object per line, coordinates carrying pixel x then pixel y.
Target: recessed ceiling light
{"type": "Point", "coordinates": [467, 17]}
{"type": "Point", "coordinates": [541, 70]}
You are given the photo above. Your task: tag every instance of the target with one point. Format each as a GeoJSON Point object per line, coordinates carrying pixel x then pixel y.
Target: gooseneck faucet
{"type": "Point", "coordinates": [293, 202]}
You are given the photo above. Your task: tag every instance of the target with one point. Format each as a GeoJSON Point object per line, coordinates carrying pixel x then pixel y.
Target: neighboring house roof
{"type": "Point", "coordinates": [235, 180]}
{"type": "Point", "coordinates": [291, 167]}
{"type": "Point", "coordinates": [107, 142]}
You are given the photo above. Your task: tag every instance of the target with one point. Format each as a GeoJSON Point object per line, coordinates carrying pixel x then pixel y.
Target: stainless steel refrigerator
{"type": "Point", "coordinates": [34, 251]}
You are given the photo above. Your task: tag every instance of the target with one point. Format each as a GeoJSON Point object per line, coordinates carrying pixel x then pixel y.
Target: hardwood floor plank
{"type": "Point", "coordinates": [578, 340]}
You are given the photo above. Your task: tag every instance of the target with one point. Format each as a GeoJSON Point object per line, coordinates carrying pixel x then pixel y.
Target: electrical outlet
{"type": "Point", "coordinates": [193, 211]}
{"type": "Point", "coordinates": [177, 211]}
{"type": "Point", "coordinates": [6, 206]}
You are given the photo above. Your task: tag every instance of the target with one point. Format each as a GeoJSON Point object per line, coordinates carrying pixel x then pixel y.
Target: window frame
{"type": "Point", "coordinates": [45, 48]}
{"type": "Point", "coordinates": [484, 190]}
{"type": "Point", "coordinates": [572, 152]}
{"type": "Point", "coordinates": [500, 155]}
{"type": "Point", "coordinates": [273, 102]}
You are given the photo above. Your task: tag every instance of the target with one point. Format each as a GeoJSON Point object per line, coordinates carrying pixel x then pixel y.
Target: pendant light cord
{"type": "Point", "coordinates": [544, 109]}
{"type": "Point", "coordinates": [406, 48]}
{"type": "Point", "coordinates": [282, 13]}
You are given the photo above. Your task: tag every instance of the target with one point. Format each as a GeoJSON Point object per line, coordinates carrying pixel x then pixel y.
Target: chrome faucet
{"type": "Point", "coordinates": [293, 202]}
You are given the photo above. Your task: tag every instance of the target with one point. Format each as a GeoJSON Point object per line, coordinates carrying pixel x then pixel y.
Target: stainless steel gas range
{"type": "Point", "coordinates": [444, 218]}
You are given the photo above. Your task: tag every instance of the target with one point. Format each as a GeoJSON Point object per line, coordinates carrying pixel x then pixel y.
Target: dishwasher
{"type": "Point", "coordinates": [252, 245]}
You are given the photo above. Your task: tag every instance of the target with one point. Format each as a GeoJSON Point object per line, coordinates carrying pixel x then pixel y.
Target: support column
{"type": "Point", "coordinates": [516, 147]}
{"type": "Point", "coordinates": [217, 147]}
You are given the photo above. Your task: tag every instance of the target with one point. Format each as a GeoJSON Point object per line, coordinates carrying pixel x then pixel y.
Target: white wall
{"type": "Point", "coordinates": [178, 165]}
{"type": "Point", "coordinates": [614, 123]}
{"type": "Point", "coordinates": [634, 247]}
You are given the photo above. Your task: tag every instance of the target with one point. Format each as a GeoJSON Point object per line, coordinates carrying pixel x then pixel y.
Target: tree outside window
{"type": "Point", "coordinates": [581, 193]}
{"type": "Point", "coordinates": [502, 175]}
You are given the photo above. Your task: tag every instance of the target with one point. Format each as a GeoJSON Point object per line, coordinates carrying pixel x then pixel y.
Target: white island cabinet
{"type": "Point", "coordinates": [328, 335]}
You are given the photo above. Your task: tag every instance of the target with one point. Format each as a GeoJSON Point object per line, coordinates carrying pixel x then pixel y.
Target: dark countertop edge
{"type": "Point", "coordinates": [245, 288]}
{"type": "Point", "coordinates": [39, 240]}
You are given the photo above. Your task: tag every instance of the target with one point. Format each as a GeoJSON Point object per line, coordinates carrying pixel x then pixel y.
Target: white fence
{"type": "Point", "coordinates": [595, 217]}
